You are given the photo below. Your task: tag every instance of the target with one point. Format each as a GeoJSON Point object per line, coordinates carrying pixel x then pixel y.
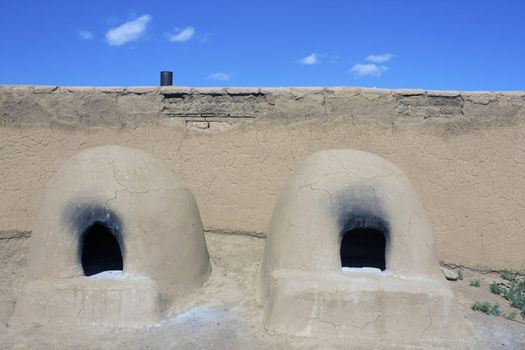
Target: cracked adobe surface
{"type": "Point", "coordinates": [463, 151]}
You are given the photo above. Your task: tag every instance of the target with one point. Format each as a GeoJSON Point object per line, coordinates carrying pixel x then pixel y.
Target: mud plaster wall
{"type": "Point", "coordinates": [465, 152]}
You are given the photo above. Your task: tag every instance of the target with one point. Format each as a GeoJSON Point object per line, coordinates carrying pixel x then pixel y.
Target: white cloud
{"type": "Point", "coordinates": [310, 59]}
{"type": "Point", "coordinates": [380, 58]}
{"type": "Point", "coordinates": [183, 35]}
{"type": "Point", "coordinates": [221, 76]}
{"type": "Point", "coordinates": [128, 31]}
{"type": "Point", "coordinates": [361, 70]}
{"type": "Point", "coordinates": [85, 34]}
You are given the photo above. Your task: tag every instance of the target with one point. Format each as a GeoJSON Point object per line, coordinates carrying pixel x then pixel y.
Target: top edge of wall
{"type": "Point", "coordinates": [81, 107]}
{"type": "Point", "coordinates": [225, 90]}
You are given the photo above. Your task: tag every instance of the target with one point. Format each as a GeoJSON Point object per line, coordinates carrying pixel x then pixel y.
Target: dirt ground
{"type": "Point", "coordinates": [224, 313]}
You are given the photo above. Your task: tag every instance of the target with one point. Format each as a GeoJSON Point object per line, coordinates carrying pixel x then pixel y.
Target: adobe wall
{"type": "Point", "coordinates": [464, 151]}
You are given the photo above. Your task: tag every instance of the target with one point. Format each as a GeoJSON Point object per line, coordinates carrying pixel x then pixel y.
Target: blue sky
{"type": "Point", "coordinates": [441, 44]}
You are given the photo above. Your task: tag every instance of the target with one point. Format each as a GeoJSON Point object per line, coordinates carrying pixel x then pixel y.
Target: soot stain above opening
{"type": "Point", "coordinates": [99, 234]}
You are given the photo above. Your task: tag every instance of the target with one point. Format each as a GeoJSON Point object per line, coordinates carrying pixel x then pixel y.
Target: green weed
{"type": "Point", "coordinates": [496, 288]}
{"type": "Point", "coordinates": [508, 275]}
{"type": "Point", "coordinates": [486, 308]}
{"type": "Point", "coordinates": [475, 283]}
{"type": "Point", "coordinates": [515, 294]}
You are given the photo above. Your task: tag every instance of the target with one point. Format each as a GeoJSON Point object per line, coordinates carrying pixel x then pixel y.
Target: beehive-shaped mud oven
{"type": "Point", "coordinates": [350, 253]}
{"type": "Point", "coordinates": [117, 240]}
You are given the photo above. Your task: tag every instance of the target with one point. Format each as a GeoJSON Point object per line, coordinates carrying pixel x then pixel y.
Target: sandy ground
{"type": "Point", "coordinates": [225, 315]}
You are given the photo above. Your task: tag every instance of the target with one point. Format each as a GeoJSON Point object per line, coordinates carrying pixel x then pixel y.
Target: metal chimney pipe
{"type": "Point", "coordinates": [166, 78]}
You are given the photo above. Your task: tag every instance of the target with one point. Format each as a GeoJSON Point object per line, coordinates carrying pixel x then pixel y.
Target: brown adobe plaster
{"type": "Point", "coordinates": [235, 147]}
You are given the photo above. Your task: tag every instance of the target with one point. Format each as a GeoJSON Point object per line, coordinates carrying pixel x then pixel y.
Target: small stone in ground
{"type": "Point", "coordinates": [449, 274]}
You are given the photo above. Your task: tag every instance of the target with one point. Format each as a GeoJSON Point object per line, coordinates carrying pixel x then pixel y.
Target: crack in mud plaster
{"type": "Point", "coordinates": [323, 103]}
{"type": "Point", "coordinates": [379, 315]}
{"type": "Point", "coordinates": [323, 190]}
{"type": "Point", "coordinates": [145, 191]}
{"type": "Point", "coordinates": [338, 325]}
{"type": "Point", "coordinates": [14, 234]}
{"type": "Point", "coordinates": [429, 324]}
